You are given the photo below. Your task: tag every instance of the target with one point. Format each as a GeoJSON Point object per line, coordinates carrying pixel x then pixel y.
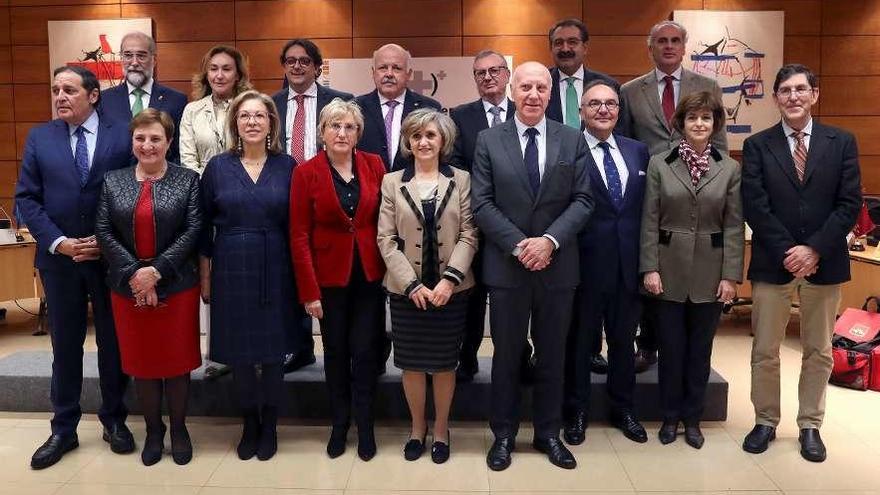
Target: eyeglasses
{"type": "Point", "coordinates": [595, 105]}
{"type": "Point", "coordinates": [258, 117]}
{"type": "Point", "coordinates": [797, 91]}
{"type": "Point", "coordinates": [348, 128]}
{"type": "Point", "coordinates": [292, 61]}
{"type": "Point", "coordinates": [492, 71]}
{"type": "Point", "coordinates": [140, 56]}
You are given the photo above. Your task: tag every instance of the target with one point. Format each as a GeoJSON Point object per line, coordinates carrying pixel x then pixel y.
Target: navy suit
{"type": "Point", "coordinates": [373, 139]}
{"type": "Point", "coordinates": [52, 203]}
{"type": "Point", "coordinates": [554, 110]}
{"type": "Point", "coordinates": [115, 104]}
{"type": "Point", "coordinates": [325, 96]}
{"type": "Point", "coordinates": [609, 291]}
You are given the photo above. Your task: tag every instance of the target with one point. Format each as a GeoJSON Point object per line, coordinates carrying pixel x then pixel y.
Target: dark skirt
{"type": "Point", "coordinates": [427, 340]}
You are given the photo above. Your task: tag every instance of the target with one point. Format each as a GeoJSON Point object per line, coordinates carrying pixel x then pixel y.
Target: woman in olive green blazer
{"type": "Point", "coordinates": [691, 257]}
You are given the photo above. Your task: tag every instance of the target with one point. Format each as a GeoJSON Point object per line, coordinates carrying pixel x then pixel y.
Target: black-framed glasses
{"type": "Point", "coordinates": [492, 71]}
{"type": "Point", "coordinates": [292, 61]}
{"type": "Point", "coordinates": [595, 105]}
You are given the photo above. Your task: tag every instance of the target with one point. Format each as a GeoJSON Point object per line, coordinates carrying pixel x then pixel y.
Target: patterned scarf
{"type": "Point", "coordinates": [697, 163]}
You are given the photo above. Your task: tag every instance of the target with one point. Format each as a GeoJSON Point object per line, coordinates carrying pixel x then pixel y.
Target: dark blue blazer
{"type": "Point", "coordinates": [470, 119]}
{"type": "Point", "coordinates": [114, 104]}
{"type": "Point", "coordinates": [554, 109]}
{"type": "Point", "coordinates": [325, 96]}
{"type": "Point", "coordinates": [609, 244]}
{"type": "Point", "coordinates": [373, 139]}
{"type": "Point", "coordinates": [48, 194]}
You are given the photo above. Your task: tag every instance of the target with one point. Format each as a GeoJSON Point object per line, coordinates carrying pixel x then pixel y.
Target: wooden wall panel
{"type": "Point", "coordinates": [866, 130]}
{"type": "Point", "coordinates": [851, 55]}
{"type": "Point", "coordinates": [33, 102]}
{"type": "Point", "coordinates": [525, 17]}
{"type": "Point", "coordinates": [631, 17]}
{"type": "Point", "coordinates": [449, 46]}
{"type": "Point", "coordinates": [186, 22]}
{"type": "Point", "coordinates": [281, 19]}
{"type": "Point", "coordinates": [406, 18]}
{"type": "Point", "coordinates": [30, 64]}
{"type": "Point", "coordinates": [7, 141]}
{"type": "Point", "coordinates": [842, 95]}
{"type": "Point", "coordinates": [803, 50]}
{"type": "Point", "coordinates": [870, 167]}
{"type": "Point", "coordinates": [264, 55]}
{"type": "Point", "coordinates": [7, 114]}
{"type": "Point", "coordinates": [34, 3]}
{"type": "Point", "coordinates": [8, 176]}
{"type": "Point", "coordinates": [181, 60]}
{"type": "Point", "coordinates": [5, 37]}
{"type": "Point", "coordinates": [6, 64]}
{"type": "Point", "coordinates": [20, 133]}
{"type": "Point", "coordinates": [801, 16]}
{"type": "Point", "coordinates": [522, 48]}
{"type": "Point", "coordinates": [851, 17]}
{"type": "Point", "coordinates": [28, 24]}
{"type": "Point", "coordinates": [619, 55]}
{"type": "Point", "coordinates": [184, 87]}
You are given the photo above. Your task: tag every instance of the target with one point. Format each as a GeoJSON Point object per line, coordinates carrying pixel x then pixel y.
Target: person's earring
{"type": "Point", "coordinates": [239, 147]}
{"type": "Point", "coordinates": [268, 142]}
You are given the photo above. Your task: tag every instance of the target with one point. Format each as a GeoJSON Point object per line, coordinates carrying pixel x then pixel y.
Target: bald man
{"type": "Point", "coordinates": [531, 197]}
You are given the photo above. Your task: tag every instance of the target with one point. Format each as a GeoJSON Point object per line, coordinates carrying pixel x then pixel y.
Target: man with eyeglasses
{"type": "Point", "coordinates": [801, 196]}
{"type": "Point", "coordinates": [648, 104]}
{"type": "Point", "coordinates": [608, 295]}
{"type": "Point", "coordinates": [299, 107]}
{"type": "Point", "coordinates": [140, 89]}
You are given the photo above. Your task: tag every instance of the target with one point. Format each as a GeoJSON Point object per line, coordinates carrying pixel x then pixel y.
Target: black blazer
{"type": "Point", "coordinates": [325, 96]}
{"type": "Point", "coordinates": [373, 140]}
{"type": "Point", "coordinates": [784, 213]}
{"type": "Point", "coordinates": [470, 119]}
{"type": "Point", "coordinates": [177, 218]}
{"type": "Point", "coordinates": [554, 110]}
{"type": "Point", "coordinates": [114, 104]}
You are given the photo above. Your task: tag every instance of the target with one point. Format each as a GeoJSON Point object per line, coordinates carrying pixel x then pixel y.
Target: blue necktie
{"type": "Point", "coordinates": [81, 157]}
{"type": "Point", "coordinates": [611, 175]}
{"type": "Point", "coordinates": [530, 157]}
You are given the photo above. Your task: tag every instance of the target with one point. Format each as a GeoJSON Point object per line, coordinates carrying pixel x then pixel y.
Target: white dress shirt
{"type": "Point", "coordinates": [599, 158]}
{"type": "Point", "coordinates": [147, 88]}
{"type": "Point", "coordinates": [310, 102]}
{"type": "Point", "coordinates": [563, 87]}
{"type": "Point", "coordinates": [501, 115]}
{"type": "Point", "coordinates": [395, 122]}
{"type": "Point", "coordinates": [676, 84]}
{"type": "Point", "coordinates": [792, 142]}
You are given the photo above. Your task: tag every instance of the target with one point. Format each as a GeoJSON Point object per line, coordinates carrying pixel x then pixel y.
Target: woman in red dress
{"type": "Point", "coordinates": [148, 224]}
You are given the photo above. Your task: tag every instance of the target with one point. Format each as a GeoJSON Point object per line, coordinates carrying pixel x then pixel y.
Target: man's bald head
{"type": "Point", "coordinates": [531, 84]}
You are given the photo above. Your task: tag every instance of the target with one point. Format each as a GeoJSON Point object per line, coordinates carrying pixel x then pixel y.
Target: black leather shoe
{"type": "Point", "coordinates": [440, 450]}
{"type": "Point", "coordinates": [693, 436]}
{"type": "Point", "coordinates": [293, 362]}
{"type": "Point", "coordinates": [598, 365]}
{"type": "Point", "coordinates": [644, 360]}
{"type": "Point", "coordinates": [154, 444]}
{"type": "Point", "coordinates": [466, 371]}
{"type": "Point", "coordinates": [667, 432]}
{"type": "Point", "coordinates": [53, 450]}
{"type": "Point", "coordinates": [120, 438]}
{"type": "Point", "coordinates": [759, 439]}
{"type": "Point", "coordinates": [181, 445]}
{"type": "Point", "coordinates": [336, 444]}
{"type": "Point", "coordinates": [575, 431]}
{"type": "Point", "coordinates": [366, 445]}
{"type": "Point", "coordinates": [631, 428]}
{"type": "Point", "coordinates": [414, 448]}
{"type": "Point", "coordinates": [812, 448]}
{"type": "Point", "coordinates": [499, 456]}
{"type": "Point", "coordinates": [556, 451]}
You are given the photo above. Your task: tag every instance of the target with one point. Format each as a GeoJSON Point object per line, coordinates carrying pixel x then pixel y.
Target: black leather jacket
{"type": "Point", "coordinates": [177, 217]}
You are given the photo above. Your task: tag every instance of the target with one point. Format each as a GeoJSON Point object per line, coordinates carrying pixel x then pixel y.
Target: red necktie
{"type": "Point", "coordinates": [298, 131]}
{"type": "Point", "coordinates": [668, 101]}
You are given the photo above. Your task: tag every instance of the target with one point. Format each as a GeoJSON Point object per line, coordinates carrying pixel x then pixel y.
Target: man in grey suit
{"type": "Point", "coordinates": [647, 105]}
{"type": "Point", "coordinates": [531, 197]}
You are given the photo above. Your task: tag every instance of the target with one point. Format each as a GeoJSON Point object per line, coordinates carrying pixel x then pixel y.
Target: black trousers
{"type": "Point", "coordinates": [685, 333]}
{"type": "Point", "coordinates": [475, 326]}
{"type": "Point", "coordinates": [618, 313]}
{"type": "Point", "coordinates": [68, 293]}
{"type": "Point", "coordinates": [351, 343]}
{"type": "Point", "coordinates": [509, 313]}
{"type": "Point", "coordinates": [647, 337]}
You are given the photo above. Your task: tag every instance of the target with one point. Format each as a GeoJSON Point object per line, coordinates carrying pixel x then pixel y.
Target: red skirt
{"type": "Point", "coordinates": [160, 342]}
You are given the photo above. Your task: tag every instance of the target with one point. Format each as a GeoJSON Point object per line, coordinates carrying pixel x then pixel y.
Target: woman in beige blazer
{"type": "Point", "coordinates": [691, 257]}
{"type": "Point", "coordinates": [223, 75]}
{"type": "Point", "coordinates": [428, 239]}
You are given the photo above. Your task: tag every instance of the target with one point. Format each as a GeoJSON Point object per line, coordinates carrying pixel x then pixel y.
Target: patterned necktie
{"type": "Point", "coordinates": [138, 106]}
{"type": "Point", "coordinates": [496, 115]}
{"type": "Point", "coordinates": [800, 154]}
{"type": "Point", "coordinates": [615, 190]}
{"type": "Point", "coordinates": [298, 131]}
{"type": "Point", "coordinates": [389, 124]}
{"type": "Point", "coordinates": [668, 101]}
{"type": "Point", "coordinates": [530, 157]}
{"type": "Point", "coordinates": [81, 156]}
{"type": "Point", "coordinates": [572, 117]}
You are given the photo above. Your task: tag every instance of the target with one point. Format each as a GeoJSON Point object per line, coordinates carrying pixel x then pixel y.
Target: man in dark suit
{"type": "Point", "coordinates": [608, 295]}
{"type": "Point", "coordinates": [493, 107]}
{"type": "Point", "coordinates": [386, 107]}
{"type": "Point", "coordinates": [140, 89]}
{"type": "Point", "coordinates": [801, 195]}
{"type": "Point", "coordinates": [62, 172]}
{"type": "Point", "coordinates": [299, 106]}
{"type": "Point", "coordinates": [531, 197]}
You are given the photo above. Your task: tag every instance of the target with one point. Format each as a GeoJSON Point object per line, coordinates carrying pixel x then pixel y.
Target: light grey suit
{"type": "Point", "coordinates": [642, 114]}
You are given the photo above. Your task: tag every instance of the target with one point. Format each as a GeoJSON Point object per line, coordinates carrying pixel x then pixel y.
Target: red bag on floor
{"type": "Point", "coordinates": [856, 349]}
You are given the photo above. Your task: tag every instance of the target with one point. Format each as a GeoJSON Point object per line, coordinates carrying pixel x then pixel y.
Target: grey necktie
{"type": "Point", "coordinates": [496, 115]}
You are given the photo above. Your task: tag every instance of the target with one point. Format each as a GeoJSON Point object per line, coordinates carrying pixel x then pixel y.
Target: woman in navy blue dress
{"type": "Point", "coordinates": [246, 270]}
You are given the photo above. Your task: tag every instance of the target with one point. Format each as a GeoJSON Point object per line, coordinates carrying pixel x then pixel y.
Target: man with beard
{"type": "Point", "coordinates": [140, 90]}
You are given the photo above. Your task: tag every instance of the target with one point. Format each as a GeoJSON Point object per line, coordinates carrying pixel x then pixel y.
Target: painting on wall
{"type": "Point", "coordinates": [743, 52]}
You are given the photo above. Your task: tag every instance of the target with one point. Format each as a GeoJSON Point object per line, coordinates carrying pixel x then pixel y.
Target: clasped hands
{"type": "Point", "coordinates": [726, 292]}
{"type": "Point", "coordinates": [80, 249]}
{"type": "Point", "coordinates": [438, 296]}
{"type": "Point", "coordinates": [536, 252]}
{"type": "Point", "coordinates": [801, 261]}
{"type": "Point", "coordinates": [143, 287]}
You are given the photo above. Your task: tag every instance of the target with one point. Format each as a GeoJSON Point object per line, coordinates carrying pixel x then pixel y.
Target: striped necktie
{"type": "Point", "coordinates": [800, 154]}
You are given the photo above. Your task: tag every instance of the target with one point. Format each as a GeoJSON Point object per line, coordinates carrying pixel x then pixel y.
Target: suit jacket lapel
{"type": "Point", "coordinates": [596, 177]}
{"type": "Point", "coordinates": [157, 97]}
{"type": "Point", "coordinates": [510, 141]}
{"type": "Point", "coordinates": [679, 169]}
{"type": "Point", "coordinates": [630, 161]}
{"type": "Point", "coordinates": [66, 153]}
{"type": "Point", "coordinates": [102, 146]}
{"type": "Point", "coordinates": [650, 88]}
{"type": "Point", "coordinates": [552, 152]}
{"type": "Point", "coordinates": [819, 142]}
{"type": "Point", "coordinates": [374, 111]}
{"type": "Point", "coordinates": [714, 170]}
{"type": "Point", "coordinates": [777, 143]}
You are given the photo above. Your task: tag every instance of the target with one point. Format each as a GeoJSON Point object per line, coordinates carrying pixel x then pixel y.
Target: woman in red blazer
{"type": "Point", "coordinates": [334, 209]}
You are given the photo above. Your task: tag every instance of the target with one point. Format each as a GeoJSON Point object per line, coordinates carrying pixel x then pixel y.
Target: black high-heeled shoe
{"type": "Point", "coordinates": [440, 450]}
{"type": "Point", "coordinates": [336, 444]}
{"type": "Point", "coordinates": [366, 444]}
{"type": "Point", "coordinates": [414, 448]}
{"type": "Point", "coordinates": [154, 444]}
{"type": "Point", "coordinates": [181, 445]}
